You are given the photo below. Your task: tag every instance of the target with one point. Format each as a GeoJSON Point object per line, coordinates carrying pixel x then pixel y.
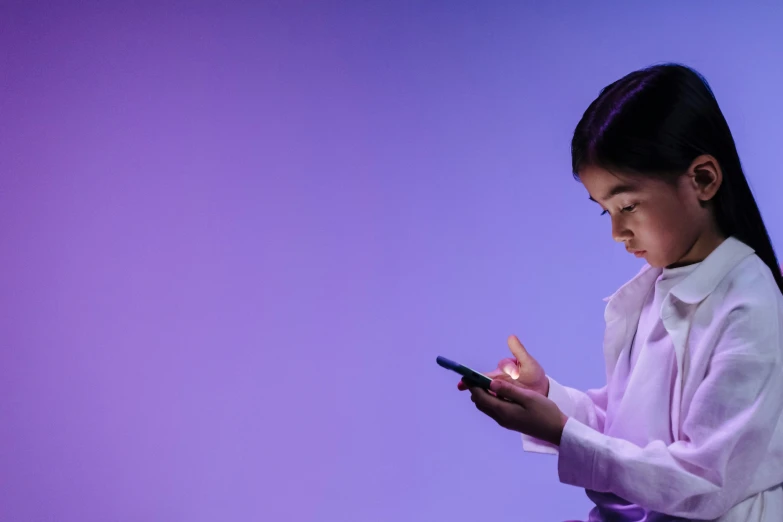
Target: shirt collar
{"type": "Point", "coordinates": [710, 272]}
{"type": "Point", "coordinates": [698, 284]}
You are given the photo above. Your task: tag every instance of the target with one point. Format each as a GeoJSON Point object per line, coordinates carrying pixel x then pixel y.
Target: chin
{"type": "Point", "coordinates": [655, 263]}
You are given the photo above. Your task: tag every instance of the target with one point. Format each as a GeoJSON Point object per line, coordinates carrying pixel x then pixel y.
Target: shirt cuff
{"type": "Point", "coordinates": [534, 445]}
{"type": "Point", "coordinates": [559, 395]}
{"type": "Point", "coordinates": [577, 464]}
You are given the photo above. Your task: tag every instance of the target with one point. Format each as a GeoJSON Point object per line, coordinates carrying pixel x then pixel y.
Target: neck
{"type": "Point", "coordinates": [701, 247]}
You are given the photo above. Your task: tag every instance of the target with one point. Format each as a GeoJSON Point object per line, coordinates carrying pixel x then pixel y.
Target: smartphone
{"type": "Point", "coordinates": [469, 376]}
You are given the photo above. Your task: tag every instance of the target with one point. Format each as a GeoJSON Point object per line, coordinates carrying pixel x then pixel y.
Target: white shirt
{"type": "Point", "coordinates": [689, 425]}
{"type": "Point", "coordinates": [633, 394]}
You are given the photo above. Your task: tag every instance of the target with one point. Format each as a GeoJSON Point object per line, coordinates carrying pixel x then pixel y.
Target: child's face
{"type": "Point", "coordinates": [664, 223]}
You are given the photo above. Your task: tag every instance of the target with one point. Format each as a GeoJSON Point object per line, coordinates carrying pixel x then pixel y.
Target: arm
{"type": "Point", "coordinates": [588, 408]}
{"type": "Point", "coordinates": [724, 440]}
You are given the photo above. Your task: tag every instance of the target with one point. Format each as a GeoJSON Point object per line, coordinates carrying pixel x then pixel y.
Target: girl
{"type": "Point", "coordinates": [688, 425]}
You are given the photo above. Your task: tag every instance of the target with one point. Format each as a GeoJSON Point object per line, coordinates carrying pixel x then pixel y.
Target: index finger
{"type": "Point", "coordinates": [518, 349]}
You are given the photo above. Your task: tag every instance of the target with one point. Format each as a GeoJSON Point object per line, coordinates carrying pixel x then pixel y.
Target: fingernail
{"type": "Point", "coordinates": [495, 385]}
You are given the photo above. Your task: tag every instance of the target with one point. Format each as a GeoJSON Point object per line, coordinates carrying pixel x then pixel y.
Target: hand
{"type": "Point", "coordinates": [522, 370]}
{"type": "Point", "coordinates": [522, 410]}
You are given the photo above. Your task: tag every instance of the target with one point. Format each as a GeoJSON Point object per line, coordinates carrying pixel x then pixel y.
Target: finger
{"type": "Point", "coordinates": [474, 393]}
{"type": "Point", "coordinates": [482, 399]}
{"type": "Point", "coordinates": [507, 378]}
{"type": "Point", "coordinates": [508, 367]}
{"type": "Point", "coordinates": [504, 378]}
{"type": "Point", "coordinates": [499, 410]}
{"type": "Point", "coordinates": [508, 391]}
{"type": "Point", "coordinates": [495, 373]}
{"type": "Point", "coordinates": [518, 349]}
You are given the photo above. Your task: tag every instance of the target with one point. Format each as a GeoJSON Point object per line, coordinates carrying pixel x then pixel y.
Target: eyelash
{"type": "Point", "coordinates": [629, 208]}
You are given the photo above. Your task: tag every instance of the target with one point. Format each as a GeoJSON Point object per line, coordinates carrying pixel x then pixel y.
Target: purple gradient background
{"type": "Point", "coordinates": [235, 237]}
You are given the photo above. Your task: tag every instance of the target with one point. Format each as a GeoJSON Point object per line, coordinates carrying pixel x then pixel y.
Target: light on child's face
{"type": "Point", "coordinates": [650, 217]}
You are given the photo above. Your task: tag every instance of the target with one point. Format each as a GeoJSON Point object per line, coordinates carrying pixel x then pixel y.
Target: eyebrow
{"type": "Point", "coordinates": [619, 189]}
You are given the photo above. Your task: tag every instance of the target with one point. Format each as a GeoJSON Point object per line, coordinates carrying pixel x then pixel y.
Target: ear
{"type": "Point", "coordinates": [705, 176]}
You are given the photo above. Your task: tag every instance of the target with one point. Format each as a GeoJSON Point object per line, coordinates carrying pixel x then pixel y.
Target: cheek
{"type": "Point", "coordinates": [669, 232]}
{"type": "Point", "coordinates": [660, 229]}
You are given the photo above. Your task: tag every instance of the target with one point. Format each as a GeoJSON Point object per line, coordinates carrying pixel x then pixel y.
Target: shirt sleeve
{"type": "Point", "coordinates": [588, 407]}
{"type": "Point", "coordinates": [725, 435]}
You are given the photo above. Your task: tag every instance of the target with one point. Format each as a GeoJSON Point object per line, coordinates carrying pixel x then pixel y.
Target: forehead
{"type": "Point", "coordinates": [603, 185]}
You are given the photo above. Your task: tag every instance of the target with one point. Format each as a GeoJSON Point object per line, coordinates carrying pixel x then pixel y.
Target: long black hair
{"type": "Point", "coordinates": [655, 122]}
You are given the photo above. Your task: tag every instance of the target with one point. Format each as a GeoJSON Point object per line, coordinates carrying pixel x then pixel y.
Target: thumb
{"type": "Point", "coordinates": [518, 349]}
{"type": "Point", "coordinates": [506, 390]}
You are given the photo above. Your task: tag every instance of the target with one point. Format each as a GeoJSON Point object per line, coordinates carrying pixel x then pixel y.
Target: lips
{"type": "Point", "coordinates": [637, 253]}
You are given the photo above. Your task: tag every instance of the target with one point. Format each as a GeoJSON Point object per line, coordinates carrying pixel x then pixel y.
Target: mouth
{"type": "Point", "coordinates": [637, 253]}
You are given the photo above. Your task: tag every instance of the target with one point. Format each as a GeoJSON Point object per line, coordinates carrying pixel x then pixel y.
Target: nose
{"type": "Point", "coordinates": [620, 232]}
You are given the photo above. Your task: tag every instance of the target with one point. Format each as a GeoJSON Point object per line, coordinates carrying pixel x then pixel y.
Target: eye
{"type": "Point", "coordinates": [629, 208]}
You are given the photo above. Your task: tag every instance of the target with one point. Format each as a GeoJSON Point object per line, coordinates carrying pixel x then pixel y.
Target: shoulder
{"type": "Point", "coordinates": [747, 306]}
{"type": "Point", "coordinates": [751, 284]}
